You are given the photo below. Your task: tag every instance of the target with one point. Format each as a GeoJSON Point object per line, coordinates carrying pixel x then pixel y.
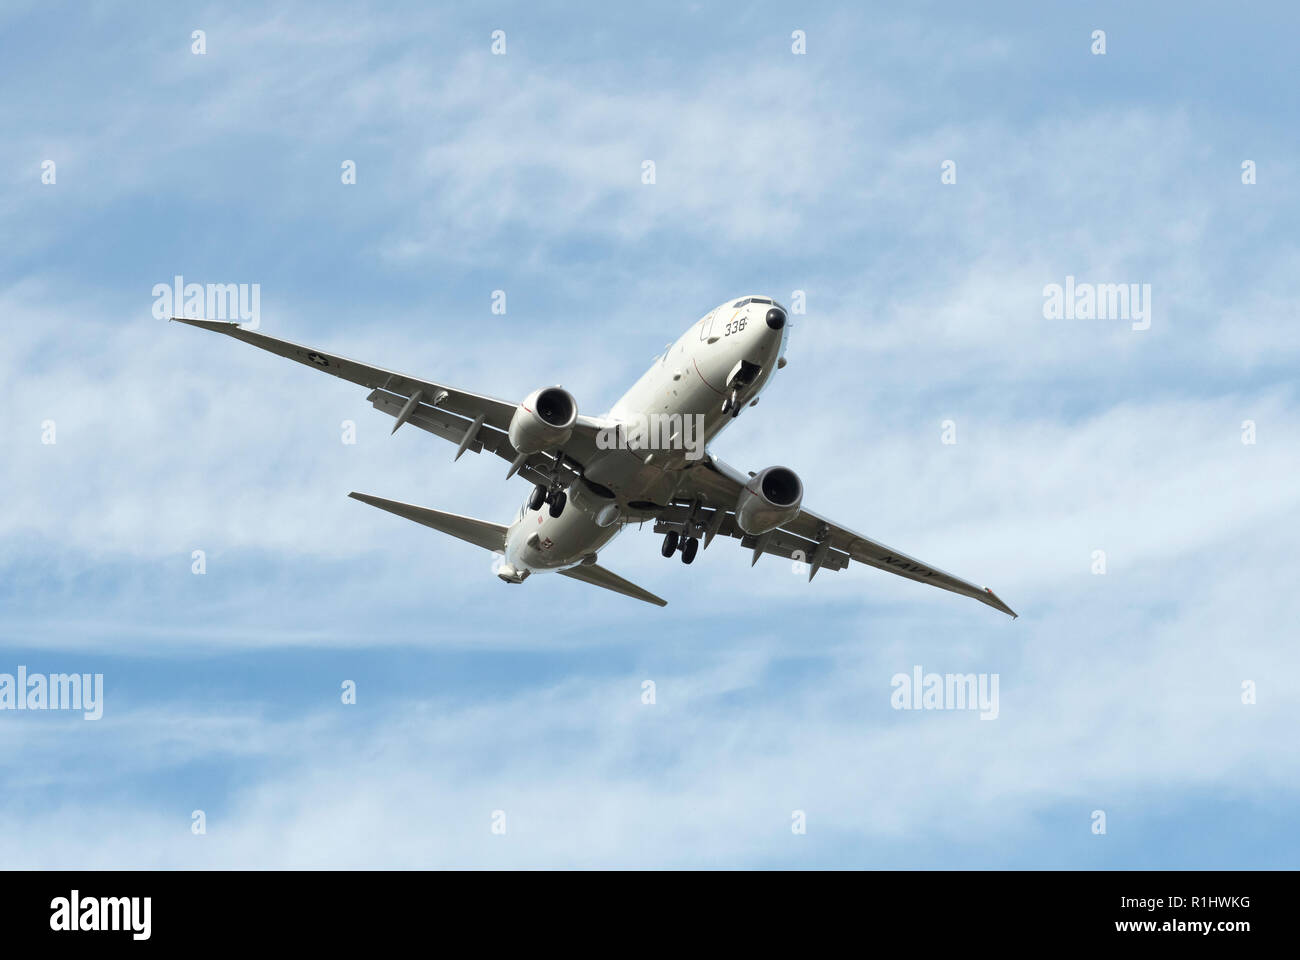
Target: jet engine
{"type": "Point", "coordinates": [544, 420]}
{"type": "Point", "coordinates": [770, 499]}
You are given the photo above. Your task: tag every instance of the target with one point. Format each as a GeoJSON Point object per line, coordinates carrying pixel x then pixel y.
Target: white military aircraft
{"type": "Point", "coordinates": [594, 476]}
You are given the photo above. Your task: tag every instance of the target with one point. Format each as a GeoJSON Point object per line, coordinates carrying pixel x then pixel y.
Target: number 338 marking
{"type": "Point", "coordinates": [735, 326]}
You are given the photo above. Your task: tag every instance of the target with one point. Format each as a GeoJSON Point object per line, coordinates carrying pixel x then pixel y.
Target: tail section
{"type": "Point", "coordinates": [489, 536]}
{"type": "Point", "coordinates": [492, 536]}
{"type": "Point", "coordinates": [598, 576]}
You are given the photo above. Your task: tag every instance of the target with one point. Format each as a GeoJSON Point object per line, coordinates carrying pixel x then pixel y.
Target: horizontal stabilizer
{"type": "Point", "coordinates": [598, 576]}
{"type": "Point", "coordinates": [489, 536]}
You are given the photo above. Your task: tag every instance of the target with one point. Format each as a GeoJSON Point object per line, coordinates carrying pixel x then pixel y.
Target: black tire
{"type": "Point", "coordinates": [537, 497]}
{"type": "Point", "coordinates": [689, 549]}
{"type": "Point", "coordinates": [557, 505]}
{"type": "Point", "coordinates": [670, 543]}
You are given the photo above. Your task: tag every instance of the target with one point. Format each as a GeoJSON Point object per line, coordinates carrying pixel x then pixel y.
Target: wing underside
{"type": "Point", "coordinates": [473, 421]}
{"type": "Point", "coordinates": [712, 487]}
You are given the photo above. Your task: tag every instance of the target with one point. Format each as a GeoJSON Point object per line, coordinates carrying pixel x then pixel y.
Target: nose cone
{"type": "Point", "coordinates": [776, 318]}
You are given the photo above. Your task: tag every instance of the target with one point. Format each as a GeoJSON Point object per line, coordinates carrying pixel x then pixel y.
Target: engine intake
{"type": "Point", "coordinates": [770, 499]}
{"type": "Point", "coordinates": [544, 421]}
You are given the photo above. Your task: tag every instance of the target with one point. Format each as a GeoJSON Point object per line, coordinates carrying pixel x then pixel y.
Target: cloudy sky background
{"type": "Point", "coordinates": [775, 173]}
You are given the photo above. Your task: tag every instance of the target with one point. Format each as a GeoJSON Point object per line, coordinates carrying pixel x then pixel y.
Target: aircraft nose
{"type": "Point", "coordinates": [776, 318]}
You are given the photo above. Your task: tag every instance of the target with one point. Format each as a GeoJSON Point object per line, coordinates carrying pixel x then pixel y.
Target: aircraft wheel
{"type": "Point", "coordinates": [537, 498]}
{"type": "Point", "coordinates": [557, 505]}
{"type": "Point", "coordinates": [670, 543]}
{"type": "Point", "coordinates": [689, 549]}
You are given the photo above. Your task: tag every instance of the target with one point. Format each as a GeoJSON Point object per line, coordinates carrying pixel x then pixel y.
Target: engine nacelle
{"type": "Point", "coordinates": [770, 498]}
{"type": "Point", "coordinates": [544, 421]}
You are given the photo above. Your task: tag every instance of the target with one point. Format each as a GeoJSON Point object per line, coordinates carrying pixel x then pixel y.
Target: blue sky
{"type": "Point", "coordinates": [1119, 692]}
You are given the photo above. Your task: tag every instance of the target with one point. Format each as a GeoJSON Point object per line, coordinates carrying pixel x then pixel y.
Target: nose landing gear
{"type": "Point", "coordinates": [742, 377]}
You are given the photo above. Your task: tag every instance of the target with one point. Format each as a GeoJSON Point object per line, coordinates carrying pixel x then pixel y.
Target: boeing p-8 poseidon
{"type": "Point", "coordinates": [646, 460]}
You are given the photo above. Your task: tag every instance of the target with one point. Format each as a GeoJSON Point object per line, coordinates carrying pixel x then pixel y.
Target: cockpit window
{"type": "Point", "coordinates": [760, 300]}
{"type": "Point", "coordinates": [742, 303]}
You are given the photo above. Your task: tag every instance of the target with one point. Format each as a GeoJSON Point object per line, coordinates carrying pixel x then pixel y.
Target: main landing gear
{"type": "Point", "coordinates": [556, 498]}
{"type": "Point", "coordinates": [673, 541]}
{"type": "Point", "coordinates": [690, 547]}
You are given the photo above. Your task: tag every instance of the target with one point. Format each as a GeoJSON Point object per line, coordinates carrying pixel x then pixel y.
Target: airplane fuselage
{"type": "Point", "coordinates": [687, 397]}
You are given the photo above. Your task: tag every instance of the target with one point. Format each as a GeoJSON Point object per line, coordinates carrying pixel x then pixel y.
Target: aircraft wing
{"type": "Point", "coordinates": [810, 537]}
{"type": "Point", "coordinates": [473, 421]}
